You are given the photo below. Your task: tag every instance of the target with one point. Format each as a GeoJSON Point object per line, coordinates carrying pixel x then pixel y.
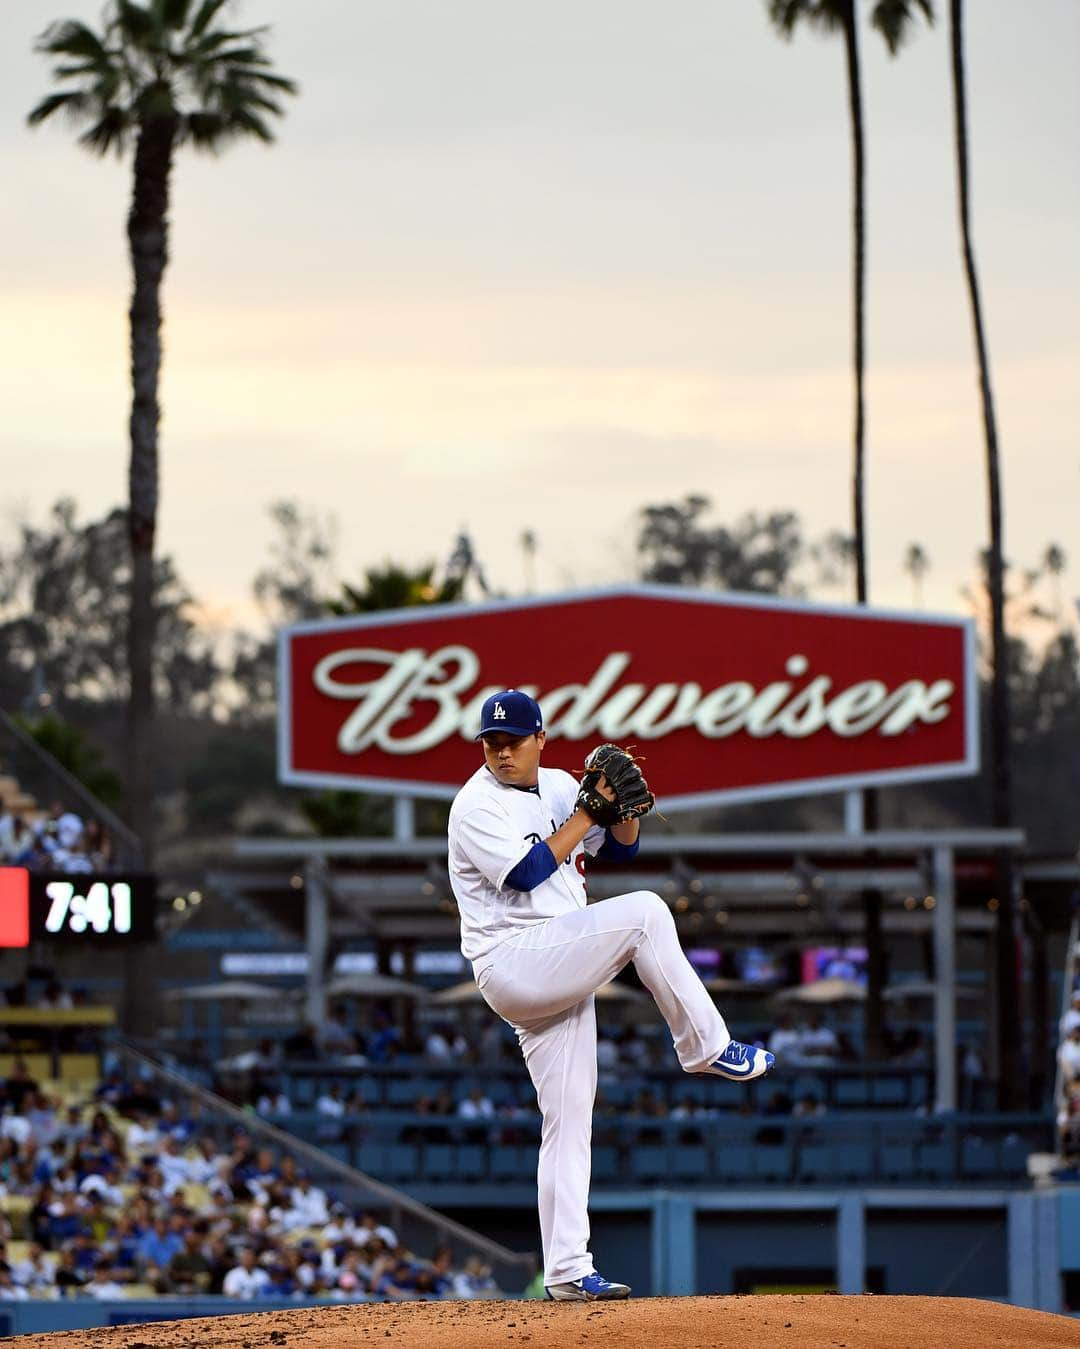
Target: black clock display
{"type": "Point", "coordinates": [114, 908]}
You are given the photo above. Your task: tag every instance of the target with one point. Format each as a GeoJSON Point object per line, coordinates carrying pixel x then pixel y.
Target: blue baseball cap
{"type": "Point", "coordinates": [511, 711]}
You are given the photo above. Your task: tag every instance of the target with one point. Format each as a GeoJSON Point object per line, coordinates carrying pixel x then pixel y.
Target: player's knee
{"type": "Point", "coordinates": [654, 911]}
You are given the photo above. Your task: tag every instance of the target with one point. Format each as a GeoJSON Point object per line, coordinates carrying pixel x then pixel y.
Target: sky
{"type": "Point", "coordinates": [517, 268]}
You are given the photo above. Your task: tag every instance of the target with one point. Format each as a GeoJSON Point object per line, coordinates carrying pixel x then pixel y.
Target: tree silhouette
{"type": "Point", "coordinates": [159, 75]}
{"type": "Point", "coordinates": [893, 19]}
{"type": "Point", "coordinates": [916, 564]}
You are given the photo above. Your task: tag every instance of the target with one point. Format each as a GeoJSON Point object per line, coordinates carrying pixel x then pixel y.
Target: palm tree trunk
{"type": "Point", "coordinates": [873, 1023]}
{"type": "Point", "coordinates": [1011, 1092]}
{"type": "Point", "coordinates": [147, 230]}
{"type": "Point", "coordinates": [858, 166]}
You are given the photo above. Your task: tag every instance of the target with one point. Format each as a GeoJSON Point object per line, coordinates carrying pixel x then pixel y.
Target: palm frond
{"type": "Point", "coordinates": [826, 15]}
{"type": "Point", "coordinates": [245, 122]}
{"type": "Point", "coordinates": [894, 20]}
{"type": "Point", "coordinates": [217, 46]}
{"type": "Point", "coordinates": [238, 56]}
{"type": "Point", "coordinates": [70, 72]}
{"type": "Point", "coordinates": [138, 26]}
{"type": "Point", "coordinates": [248, 98]}
{"type": "Point", "coordinates": [281, 82]}
{"type": "Point", "coordinates": [205, 16]}
{"type": "Point", "coordinates": [172, 15]}
{"type": "Point", "coordinates": [74, 103]}
{"type": "Point", "coordinates": [205, 130]}
{"type": "Point", "coordinates": [70, 38]}
{"type": "Point", "coordinates": [109, 132]}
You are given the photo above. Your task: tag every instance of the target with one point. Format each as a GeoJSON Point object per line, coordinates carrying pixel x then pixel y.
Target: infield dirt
{"type": "Point", "coordinates": [762, 1322]}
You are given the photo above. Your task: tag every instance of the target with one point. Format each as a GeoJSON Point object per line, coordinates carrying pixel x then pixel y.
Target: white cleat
{"type": "Point", "coordinates": [592, 1288]}
{"type": "Point", "coordinates": [741, 1063]}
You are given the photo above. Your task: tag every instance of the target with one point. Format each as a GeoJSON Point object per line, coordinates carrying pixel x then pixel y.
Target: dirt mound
{"type": "Point", "coordinates": [764, 1322]}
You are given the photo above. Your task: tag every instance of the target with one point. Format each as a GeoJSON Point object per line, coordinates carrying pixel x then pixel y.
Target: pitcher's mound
{"type": "Point", "coordinates": [761, 1322]}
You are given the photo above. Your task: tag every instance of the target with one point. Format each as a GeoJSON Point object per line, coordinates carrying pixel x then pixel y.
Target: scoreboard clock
{"type": "Point", "coordinates": [75, 909]}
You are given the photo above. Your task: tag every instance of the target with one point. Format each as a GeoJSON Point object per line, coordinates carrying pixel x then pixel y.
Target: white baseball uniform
{"type": "Point", "coordinates": [540, 955]}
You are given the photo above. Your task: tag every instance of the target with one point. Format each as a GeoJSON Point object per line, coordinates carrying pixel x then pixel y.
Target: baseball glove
{"type": "Point", "coordinates": [624, 776]}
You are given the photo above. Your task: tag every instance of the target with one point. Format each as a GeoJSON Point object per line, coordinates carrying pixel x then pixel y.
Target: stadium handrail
{"type": "Point", "coordinates": [314, 1156]}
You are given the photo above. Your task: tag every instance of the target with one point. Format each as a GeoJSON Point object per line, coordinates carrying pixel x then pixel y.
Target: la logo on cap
{"type": "Point", "coordinates": [499, 714]}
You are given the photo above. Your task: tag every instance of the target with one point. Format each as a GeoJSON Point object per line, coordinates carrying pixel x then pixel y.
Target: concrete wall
{"type": "Point", "coordinates": [963, 1243]}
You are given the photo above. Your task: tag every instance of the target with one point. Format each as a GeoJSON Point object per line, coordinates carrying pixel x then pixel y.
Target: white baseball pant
{"type": "Point", "coordinates": [542, 982]}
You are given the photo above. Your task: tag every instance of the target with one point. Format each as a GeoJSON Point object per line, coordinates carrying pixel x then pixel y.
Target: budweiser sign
{"type": "Point", "coordinates": [729, 698]}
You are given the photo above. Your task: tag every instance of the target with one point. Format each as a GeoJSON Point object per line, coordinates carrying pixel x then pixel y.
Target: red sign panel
{"type": "Point", "coordinates": [14, 907]}
{"type": "Point", "coordinates": [728, 698]}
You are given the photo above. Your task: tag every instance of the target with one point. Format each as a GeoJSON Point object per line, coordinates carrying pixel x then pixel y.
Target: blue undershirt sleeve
{"type": "Point", "coordinates": [533, 869]}
{"type": "Point", "coordinates": [614, 851]}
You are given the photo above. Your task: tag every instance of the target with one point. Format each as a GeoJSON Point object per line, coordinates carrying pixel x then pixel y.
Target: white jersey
{"type": "Point", "coordinates": [492, 827]}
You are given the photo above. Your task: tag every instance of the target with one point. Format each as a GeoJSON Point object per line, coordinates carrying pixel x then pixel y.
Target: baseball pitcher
{"type": "Point", "coordinates": [519, 835]}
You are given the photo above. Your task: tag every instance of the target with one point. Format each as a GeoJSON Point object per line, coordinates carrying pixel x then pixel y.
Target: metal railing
{"type": "Point", "coordinates": [405, 1214]}
{"type": "Point", "coordinates": [837, 1086]}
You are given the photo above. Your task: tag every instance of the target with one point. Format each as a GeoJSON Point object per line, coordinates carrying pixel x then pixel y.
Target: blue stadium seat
{"type": "Point", "coordinates": [506, 1163]}
{"type": "Point", "coordinates": [897, 1160]}
{"type": "Point", "coordinates": [342, 1152]}
{"type": "Point", "coordinates": [836, 1161]}
{"type": "Point", "coordinates": [772, 1162]}
{"type": "Point", "coordinates": [851, 1093]}
{"type": "Point", "coordinates": [472, 1161]}
{"type": "Point", "coordinates": [979, 1157]}
{"type": "Point", "coordinates": [439, 1161]}
{"type": "Point", "coordinates": [649, 1162]}
{"type": "Point", "coordinates": [371, 1157]}
{"type": "Point", "coordinates": [733, 1161]}
{"type": "Point", "coordinates": [618, 1093]}
{"type": "Point", "coordinates": [889, 1091]}
{"type": "Point", "coordinates": [1014, 1156]}
{"type": "Point", "coordinates": [301, 1092]}
{"type": "Point", "coordinates": [402, 1161]}
{"type": "Point", "coordinates": [369, 1089]}
{"type": "Point", "coordinates": [934, 1159]}
{"type": "Point", "coordinates": [605, 1163]}
{"type": "Point", "coordinates": [403, 1091]}
{"type": "Point", "coordinates": [689, 1161]}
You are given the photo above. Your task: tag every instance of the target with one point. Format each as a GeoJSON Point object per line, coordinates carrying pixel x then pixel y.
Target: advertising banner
{"type": "Point", "coordinates": [726, 697]}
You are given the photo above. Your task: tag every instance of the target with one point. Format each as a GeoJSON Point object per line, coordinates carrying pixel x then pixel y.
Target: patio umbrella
{"type": "Point", "coordinates": [467, 992]}
{"type": "Point", "coordinates": [923, 989]}
{"type": "Point", "coordinates": [824, 991]}
{"type": "Point", "coordinates": [373, 986]}
{"type": "Point", "coordinates": [734, 988]}
{"type": "Point", "coordinates": [229, 990]}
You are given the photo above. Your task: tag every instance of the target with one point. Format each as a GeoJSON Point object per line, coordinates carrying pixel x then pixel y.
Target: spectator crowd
{"type": "Point", "coordinates": [1068, 1103]}
{"type": "Point", "coordinates": [127, 1194]}
{"type": "Point", "coordinates": [58, 840]}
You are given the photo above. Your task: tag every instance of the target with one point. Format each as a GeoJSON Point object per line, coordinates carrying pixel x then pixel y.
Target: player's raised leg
{"type": "Point", "coordinates": [553, 965]}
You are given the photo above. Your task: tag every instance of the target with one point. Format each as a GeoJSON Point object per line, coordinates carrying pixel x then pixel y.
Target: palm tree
{"type": "Point", "coordinates": [159, 75]}
{"type": "Point", "coordinates": [1009, 1026]}
{"type": "Point", "coordinates": [529, 544]}
{"type": "Point", "coordinates": [916, 564]}
{"type": "Point", "coordinates": [1054, 561]}
{"type": "Point", "coordinates": [893, 20]}
{"type": "Point", "coordinates": [394, 587]}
